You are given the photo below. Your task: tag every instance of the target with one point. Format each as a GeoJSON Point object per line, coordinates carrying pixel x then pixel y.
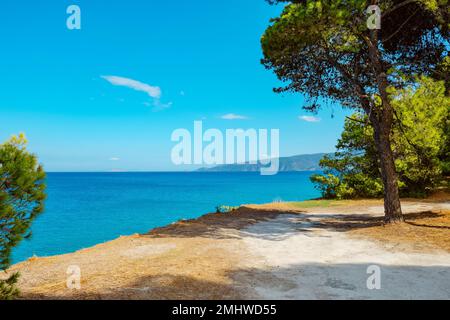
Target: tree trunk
{"type": "Point", "coordinates": [392, 206]}
{"type": "Point", "coordinates": [382, 119]}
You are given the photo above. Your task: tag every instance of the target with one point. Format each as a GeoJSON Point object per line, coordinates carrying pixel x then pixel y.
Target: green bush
{"type": "Point", "coordinates": [419, 140]}
{"type": "Point", "coordinates": [21, 200]}
{"type": "Point", "coordinates": [225, 209]}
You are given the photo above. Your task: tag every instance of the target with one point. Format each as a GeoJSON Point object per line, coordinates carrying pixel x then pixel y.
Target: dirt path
{"type": "Point", "coordinates": [274, 251]}
{"type": "Point", "coordinates": [300, 260]}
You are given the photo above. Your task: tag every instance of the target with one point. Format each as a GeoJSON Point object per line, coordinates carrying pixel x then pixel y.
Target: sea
{"type": "Point", "coordinates": [85, 209]}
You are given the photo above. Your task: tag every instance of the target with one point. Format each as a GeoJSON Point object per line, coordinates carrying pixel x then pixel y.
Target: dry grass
{"type": "Point", "coordinates": [421, 231]}
{"type": "Point", "coordinates": [189, 268]}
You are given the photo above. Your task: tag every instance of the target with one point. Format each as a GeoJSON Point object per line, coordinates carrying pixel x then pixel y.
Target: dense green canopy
{"type": "Point", "coordinates": [419, 136]}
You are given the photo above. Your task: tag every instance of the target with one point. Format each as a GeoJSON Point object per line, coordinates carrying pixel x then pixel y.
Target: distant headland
{"type": "Point", "coordinates": [302, 162]}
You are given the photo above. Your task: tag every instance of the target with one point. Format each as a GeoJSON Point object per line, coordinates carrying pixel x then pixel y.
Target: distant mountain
{"type": "Point", "coordinates": [303, 162]}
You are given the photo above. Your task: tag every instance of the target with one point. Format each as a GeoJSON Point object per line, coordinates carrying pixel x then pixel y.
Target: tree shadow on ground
{"type": "Point", "coordinates": [347, 281]}
{"type": "Point", "coordinates": [215, 225]}
{"type": "Point", "coordinates": [239, 222]}
{"type": "Point", "coordinates": [300, 281]}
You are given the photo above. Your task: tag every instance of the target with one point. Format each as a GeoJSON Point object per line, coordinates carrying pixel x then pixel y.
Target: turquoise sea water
{"type": "Point", "coordinates": [84, 209]}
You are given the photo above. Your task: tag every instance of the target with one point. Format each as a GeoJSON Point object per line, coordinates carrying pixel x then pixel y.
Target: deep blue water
{"type": "Point", "coordinates": [84, 209]}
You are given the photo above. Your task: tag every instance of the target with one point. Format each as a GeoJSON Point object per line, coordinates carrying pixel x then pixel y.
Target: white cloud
{"type": "Point", "coordinates": [309, 118]}
{"type": "Point", "coordinates": [232, 116]}
{"type": "Point", "coordinates": [114, 159]}
{"type": "Point", "coordinates": [152, 91]}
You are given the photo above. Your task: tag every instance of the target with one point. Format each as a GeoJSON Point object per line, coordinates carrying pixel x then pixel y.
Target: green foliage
{"type": "Point", "coordinates": [22, 194]}
{"type": "Point", "coordinates": [444, 155]}
{"type": "Point", "coordinates": [419, 135]}
{"type": "Point", "coordinates": [225, 209]}
{"type": "Point", "coordinates": [304, 45]}
{"type": "Point", "coordinates": [320, 47]}
{"type": "Point", "coordinates": [8, 288]}
{"type": "Point", "coordinates": [327, 184]}
{"type": "Point", "coordinates": [443, 73]}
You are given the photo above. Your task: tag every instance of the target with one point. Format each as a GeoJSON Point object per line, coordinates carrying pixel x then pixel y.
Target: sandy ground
{"type": "Point", "coordinates": [309, 250]}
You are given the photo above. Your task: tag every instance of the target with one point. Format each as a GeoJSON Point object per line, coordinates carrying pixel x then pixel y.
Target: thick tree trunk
{"type": "Point", "coordinates": [392, 206]}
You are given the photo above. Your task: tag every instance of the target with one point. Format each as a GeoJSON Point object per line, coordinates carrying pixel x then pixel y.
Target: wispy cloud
{"type": "Point", "coordinates": [232, 116]}
{"type": "Point", "coordinates": [152, 91]}
{"type": "Point", "coordinates": [309, 118]}
{"type": "Point", "coordinates": [114, 159]}
{"type": "Point", "coordinates": [158, 105]}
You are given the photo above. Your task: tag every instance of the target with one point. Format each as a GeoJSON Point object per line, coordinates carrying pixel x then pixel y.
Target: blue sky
{"type": "Point", "coordinates": [58, 86]}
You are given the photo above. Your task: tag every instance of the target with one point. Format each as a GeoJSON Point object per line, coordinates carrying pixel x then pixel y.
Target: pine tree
{"type": "Point", "coordinates": [22, 194]}
{"type": "Point", "coordinates": [327, 50]}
